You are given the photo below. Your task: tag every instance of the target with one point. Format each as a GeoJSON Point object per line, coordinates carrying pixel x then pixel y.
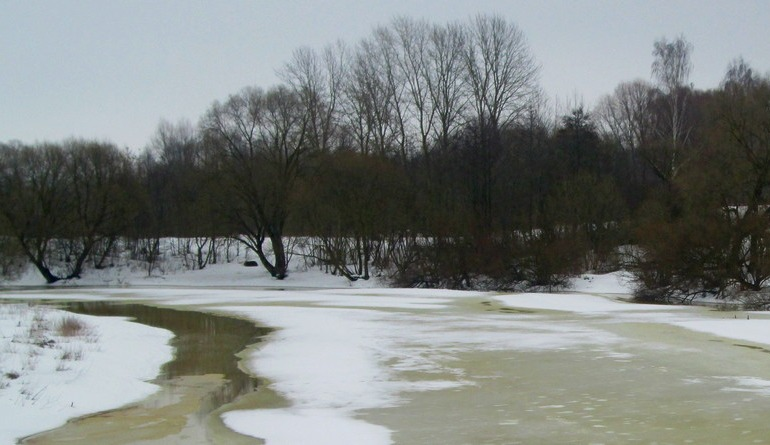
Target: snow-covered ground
{"type": "Point", "coordinates": [56, 365]}
{"type": "Point", "coordinates": [338, 348]}
{"type": "Point", "coordinates": [172, 274]}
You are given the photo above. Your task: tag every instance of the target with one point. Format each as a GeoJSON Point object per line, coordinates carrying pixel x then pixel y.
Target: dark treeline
{"type": "Point", "coordinates": [427, 153]}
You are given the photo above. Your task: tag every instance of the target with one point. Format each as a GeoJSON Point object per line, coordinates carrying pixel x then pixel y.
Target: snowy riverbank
{"type": "Point", "coordinates": [55, 366]}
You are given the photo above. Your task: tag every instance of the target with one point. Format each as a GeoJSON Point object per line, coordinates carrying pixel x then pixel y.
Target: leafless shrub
{"type": "Point", "coordinates": [755, 300]}
{"type": "Point", "coordinates": [30, 364]}
{"type": "Point", "coordinates": [71, 326]}
{"type": "Point", "coordinates": [69, 355]}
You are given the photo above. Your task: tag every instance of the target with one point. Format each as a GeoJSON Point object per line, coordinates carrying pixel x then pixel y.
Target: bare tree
{"type": "Point", "coordinates": [318, 79]}
{"type": "Point", "coordinates": [191, 189]}
{"type": "Point", "coordinates": [176, 143]}
{"type": "Point", "coordinates": [627, 116]}
{"type": "Point", "coordinates": [740, 77]}
{"type": "Point", "coordinates": [429, 59]}
{"type": "Point", "coordinates": [386, 43]}
{"type": "Point", "coordinates": [102, 183]}
{"type": "Point", "coordinates": [444, 74]}
{"type": "Point", "coordinates": [36, 199]}
{"type": "Point", "coordinates": [501, 73]}
{"type": "Point", "coordinates": [501, 77]}
{"type": "Point", "coordinates": [671, 70]}
{"type": "Point", "coordinates": [370, 116]}
{"type": "Point", "coordinates": [264, 139]}
{"type": "Point", "coordinates": [356, 201]}
{"type": "Point", "coordinates": [745, 118]}
{"type": "Point", "coordinates": [411, 39]}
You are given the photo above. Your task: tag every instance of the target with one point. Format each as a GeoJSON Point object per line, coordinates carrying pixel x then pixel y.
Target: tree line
{"type": "Point", "coordinates": [429, 153]}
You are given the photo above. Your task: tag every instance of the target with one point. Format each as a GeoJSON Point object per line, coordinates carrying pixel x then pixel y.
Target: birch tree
{"type": "Point", "coordinates": [671, 70]}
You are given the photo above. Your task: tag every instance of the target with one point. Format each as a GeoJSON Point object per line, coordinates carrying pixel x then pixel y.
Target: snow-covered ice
{"type": "Point", "coordinates": [574, 302]}
{"type": "Point", "coordinates": [331, 363]}
{"type": "Point", "coordinates": [752, 330]}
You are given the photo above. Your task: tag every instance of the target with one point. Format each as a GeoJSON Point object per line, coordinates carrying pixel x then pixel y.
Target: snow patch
{"type": "Point", "coordinates": [311, 426]}
{"type": "Point", "coordinates": [612, 283]}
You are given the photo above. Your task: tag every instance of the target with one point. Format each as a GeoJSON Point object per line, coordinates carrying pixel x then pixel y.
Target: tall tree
{"type": "Point", "coordinates": [193, 194]}
{"type": "Point", "coordinates": [36, 197]}
{"type": "Point", "coordinates": [626, 117]}
{"type": "Point", "coordinates": [671, 68]}
{"type": "Point", "coordinates": [370, 117]}
{"type": "Point", "coordinates": [501, 76]}
{"type": "Point", "coordinates": [445, 80]}
{"type": "Point", "coordinates": [264, 139]}
{"type": "Point", "coordinates": [102, 185]}
{"type": "Point", "coordinates": [318, 79]}
{"type": "Point", "coordinates": [745, 117]}
{"type": "Point", "coordinates": [410, 41]}
{"type": "Point", "coordinates": [501, 73]}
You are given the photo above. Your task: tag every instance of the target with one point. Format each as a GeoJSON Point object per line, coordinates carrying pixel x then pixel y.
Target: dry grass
{"type": "Point", "coordinates": [73, 354]}
{"type": "Point", "coordinates": [68, 355]}
{"type": "Point", "coordinates": [71, 326]}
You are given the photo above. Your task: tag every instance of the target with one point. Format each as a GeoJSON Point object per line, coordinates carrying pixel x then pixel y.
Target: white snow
{"type": "Point", "coordinates": [576, 303]}
{"type": "Point", "coordinates": [307, 426]}
{"type": "Point", "coordinates": [611, 283]}
{"type": "Point", "coordinates": [221, 275]}
{"type": "Point", "coordinates": [748, 384]}
{"type": "Point", "coordinates": [327, 363]}
{"type": "Point", "coordinates": [752, 330]}
{"type": "Point", "coordinates": [43, 386]}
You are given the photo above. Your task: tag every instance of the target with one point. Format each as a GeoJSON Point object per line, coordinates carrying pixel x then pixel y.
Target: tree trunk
{"type": "Point", "coordinates": [38, 260]}
{"type": "Point", "coordinates": [280, 266]}
{"type": "Point", "coordinates": [81, 259]}
{"type": "Point", "coordinates": [103, 256]}
{"type": "Point", "coordinates": [50, 278]}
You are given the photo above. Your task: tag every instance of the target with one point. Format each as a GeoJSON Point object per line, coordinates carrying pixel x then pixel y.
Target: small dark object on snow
{"type": "Point", "coordinates": [250, 263]}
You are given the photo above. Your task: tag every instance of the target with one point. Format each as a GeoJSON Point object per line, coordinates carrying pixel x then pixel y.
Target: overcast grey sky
{"type": "Point", "coordinates": [110, 69]}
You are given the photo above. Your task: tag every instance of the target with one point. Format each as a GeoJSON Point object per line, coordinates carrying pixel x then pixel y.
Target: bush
{"type": "Point", "coordinates": [71, 326]}
{"type": "Point", "coordinates": [755, 300]}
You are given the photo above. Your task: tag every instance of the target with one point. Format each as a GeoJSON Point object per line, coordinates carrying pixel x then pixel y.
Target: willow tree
{"type": "Point", "coordinates": [263, 139]}
{"type": "Point", "coordinates": [102, 182]}
{"type": "Point", "coordinates": [745, 120]}
{"type": "Point", "coordinates": [36, 199]}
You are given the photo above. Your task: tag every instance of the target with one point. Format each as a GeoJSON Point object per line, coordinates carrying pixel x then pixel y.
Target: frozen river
{"type": "Point", "coordinates": [439, 367]}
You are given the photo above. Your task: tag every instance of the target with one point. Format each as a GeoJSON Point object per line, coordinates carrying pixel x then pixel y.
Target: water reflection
{"type": "Point", "coordinates": [204, 344]}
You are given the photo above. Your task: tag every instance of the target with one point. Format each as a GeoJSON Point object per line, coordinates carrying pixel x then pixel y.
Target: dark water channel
{"type": "Point", "coordinates": [201, 379]}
